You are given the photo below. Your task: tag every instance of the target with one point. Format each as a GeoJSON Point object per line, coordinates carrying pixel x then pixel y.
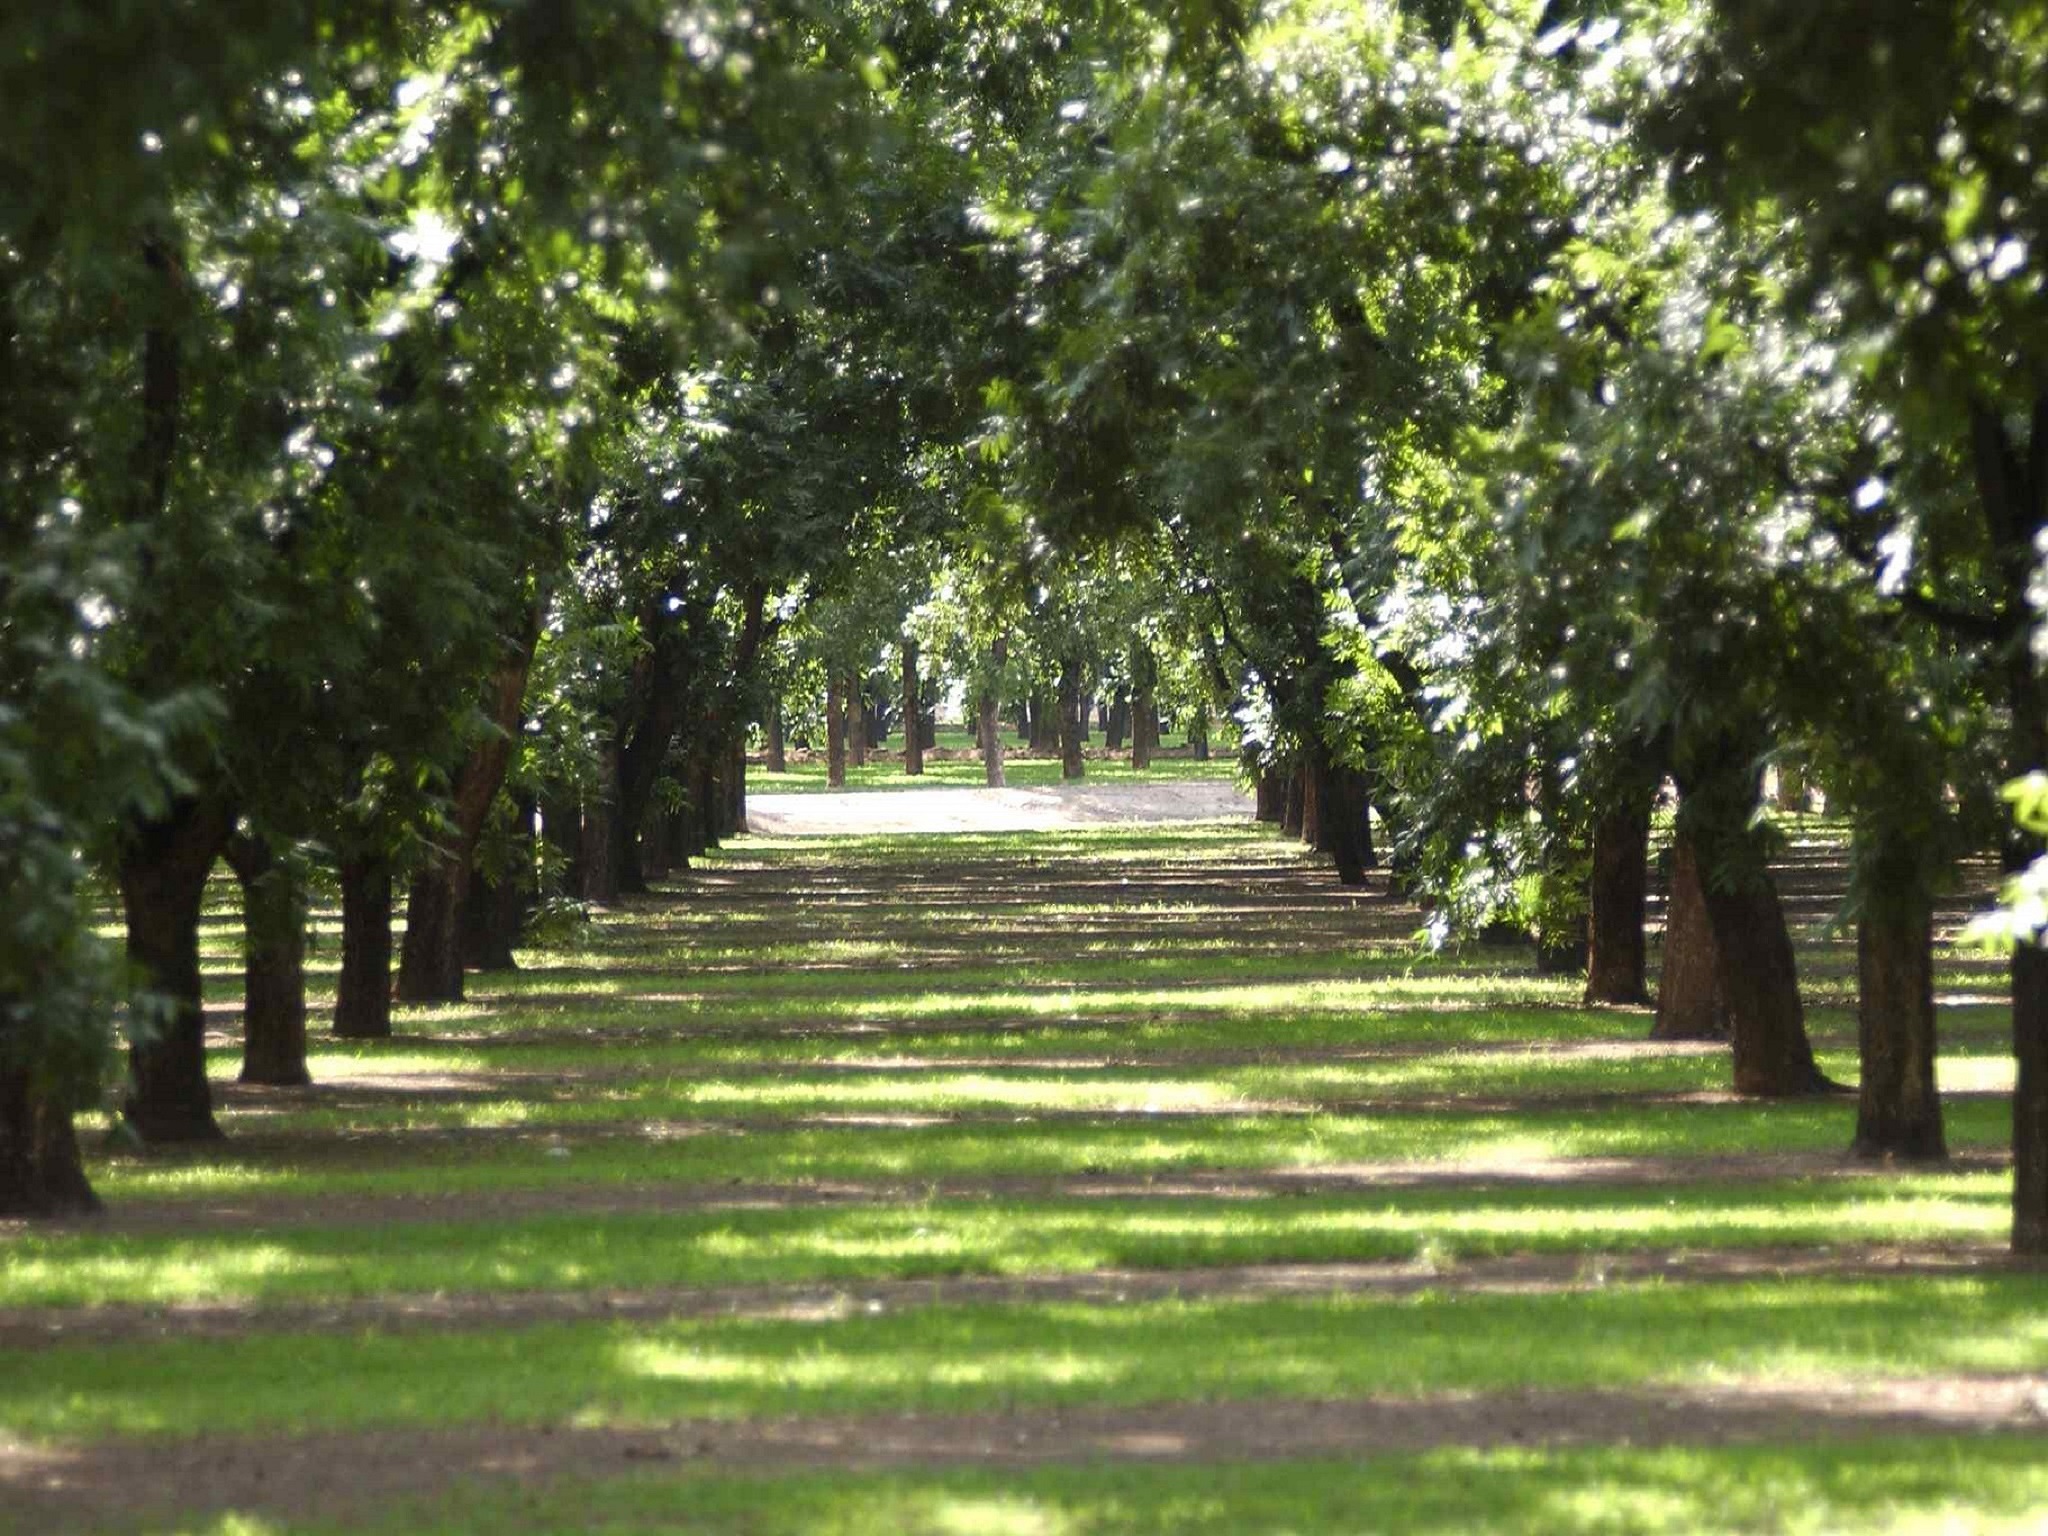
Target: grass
{"type": "Point", "coordinates": [1027, 1356]}
{"type": "Point", "coordinates": [964, 1038]}
{"type": "Point", "coordinates": [1895, 1484]}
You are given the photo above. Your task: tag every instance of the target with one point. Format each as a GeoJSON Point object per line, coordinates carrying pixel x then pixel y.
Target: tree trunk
{"type": "Point", "coordinates": [1045, 731]}
{"type": "Point", "coordinates": [1117, 722]}
{"type": "Point", "coordinates": [163, 871]}
{"type": "Point", "coordinates": [430, 966]}
{"type": "Point", "coordinates": [1271, 798]}
{"type": "Point", "coordinates": [1144, 713]}
{"type": "Point", "coordinates": [1340, 798]}
{"type": "Point", "coordinates": [40, 1170]}
{"type": "Point", "coordinates": [991, 740]}
{"type": "Point", "coordinates": [835, 732]}
{"type": "Point", "coordinates": [656, 839]}
{"type": "Point", "coordinates": [491, 922]}
{"type": "Point", "coordinates": [1072, 764]}
{"type": "Point", "coordinates": [605, 838]}
{"type": "Point", "coordinates": [777, 754]}
{"type": "Point", "coordinates": [273, 966]}
{"type": "Point", "coordinates": [1025, 735]}
{"type": "Point", "coordinates": [913, 726]}
{"type": "Point", "coordinates": [1293, 801]}
{"type": "Point", "coordinates": [1899, 1111]}
{"type": "Point", "coordinates": [1313, 833]}
{"type": "Point", "coordinates": [561, 823]}
{"type": "Point", "coordinates": [1617, 967]}
{"type": "Point", "coordinates": [736, 787]}
{"type": "Point", "coordinates": [1198, 733]}
{"type": "Point", "coordinates": [857, 722]}
{"type": "Point", "coordinates": [707, 793]}
{"type": "Point", "coordinates": [1689, 1001]}
{"type": "Point", "coordinates": [362, 997]}
{"type": "Point", "coordinates": [1759, 978]}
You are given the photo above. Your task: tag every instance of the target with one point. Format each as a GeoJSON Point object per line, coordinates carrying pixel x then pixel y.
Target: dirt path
{"type": "Point", "coordinates": [52, 1489]}
{"type": "Point", "coordinates": [1034, 809]}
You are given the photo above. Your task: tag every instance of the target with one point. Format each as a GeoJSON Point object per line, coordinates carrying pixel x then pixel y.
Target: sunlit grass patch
{"type": "Point", "coordinates": [749, 1244]}
{"type": "Point", "coordinates": [1896, 1484]}
{"type": "Point", "coordinates": [960, 1359]}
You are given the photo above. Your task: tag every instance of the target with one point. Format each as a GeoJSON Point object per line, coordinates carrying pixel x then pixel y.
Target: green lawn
{"type": "Point", "coordinates": [814, 1066]}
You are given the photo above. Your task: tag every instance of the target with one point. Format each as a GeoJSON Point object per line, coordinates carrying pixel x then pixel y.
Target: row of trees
{"type": "Point", "coordinates": [435, 435]}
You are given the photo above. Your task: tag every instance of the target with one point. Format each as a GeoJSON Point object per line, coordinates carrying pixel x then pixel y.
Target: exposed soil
{"type": "Point", "coordinates": [51, 1489]}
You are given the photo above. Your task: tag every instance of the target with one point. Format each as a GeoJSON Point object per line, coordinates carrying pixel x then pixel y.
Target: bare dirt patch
{"type": "Point", "coordinates": [60, 1488]}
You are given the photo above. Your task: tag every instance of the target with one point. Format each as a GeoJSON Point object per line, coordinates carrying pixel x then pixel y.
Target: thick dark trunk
{"type": "Point", "coordinates": [777, 756]}
{"type": "Point", "coordinates": [1293, 800]}
{"type": "Point", "coordinates": [561, 821]}
{"type": "Point", "coordinates": [1198, 733]}
{"type": "Point", "coordinates": [1072, 764]}
{"type": "Point", "coordinates": [656, 839]}
{"type": "Point", "coordinates": [1689, 1001]}
{"type": "Point", "coordinates": [40, 1170]}
{"type": "Point", "coordinates": [1340, 798]}
{"type": "Point", "coordinates": [1270, 803]}
{"type": "Point", "coordinates": [1760, 979]}
{"type": "Point", "coordinates": [736, 787]}
{"type": "Point", "coordinates": [362, 997]}
{"type": "Point", "coordinates": [1025, 735]}
{"type": "Point", "coordinates": [1117, 723]}
{"type": "Point", "coordinates": [491, 921]}
{"type": "Point", "coordinates": [163, 871]}
{"type": "Point", "coordinates": [273, 966]}
{"type": "Point", "coordinates": [1899, 1111]}
{"type": "Point", "coordinates": [430, 965]}
{"type": "Point", "coordinates": [1617, 965]}
{"type": "Point", "coordinates": [913, 727]}
{"type": "Point", "coordinates": [835, 733]}
{"type": "Point", "coordinates": [1045, 727]}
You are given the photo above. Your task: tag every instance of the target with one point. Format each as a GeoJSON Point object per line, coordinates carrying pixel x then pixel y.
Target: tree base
{"type": "Point", "coordinates": [1924, 1147]}
{"type": "Point", "coordinates": [169, 1126]}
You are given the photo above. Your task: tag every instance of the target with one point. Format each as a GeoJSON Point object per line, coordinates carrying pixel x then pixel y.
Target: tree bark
{"type": "Point", "coordinates": [1312, 831]}
{"type": "Point", "coordinates": [163, 870]}
{"type": "Point", "coordinates": [913, 712]}
{"type": "Point", "coordinates": [1270, 798]}
{"type": "Point", "coordinates": [430, 966]}
{"type": "Point", "coordinates": [1689, 1001]}
{"type": "Point", "coordinates": [835, 732]}
{"type": "Point", "coordinates": [1899, 1111]}
{"type": "Point", "coordinates": [1117, 722]}
{"type": "Point", "coordinates": [273, 966]}
{"type": "Point", "coordinates": [1617, 966]}
{"type": "Point", "coordinates": [40, 1170]}
{"type": "Point", "coordinates": [857, 721]}
{"type": "Point", "coordinates": [362, 998]}
{"type": "Point", "coordinates": [1293, 800]}
{"type": "Point", "coordinates": [495, 913]}
{"type": "Point", "coordinates": [1198, 733]}
{"type": "Point", "coordinates": [777, 754]}
{"type": "Point", "coordinates": [1340, 799]}
{"type": "Point", "coordinates": [1144, 711]}
{"type": "Point", "coordinates": [1072, 764]}
{"type": "Point", "coordinates": [736, 786]}
{"type": "Point", "coordinates": [991, 739]}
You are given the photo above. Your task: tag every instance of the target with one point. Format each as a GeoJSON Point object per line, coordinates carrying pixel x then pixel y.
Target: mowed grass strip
{"type": "Point", "coordinates": [978, 1358]}
{"type": "Point", "coordinates": [1956, 1485]}
{"type": "Point", "coordinates": [626, 1249]}
{"type": "Point", "coordinates": [624, 1152]}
